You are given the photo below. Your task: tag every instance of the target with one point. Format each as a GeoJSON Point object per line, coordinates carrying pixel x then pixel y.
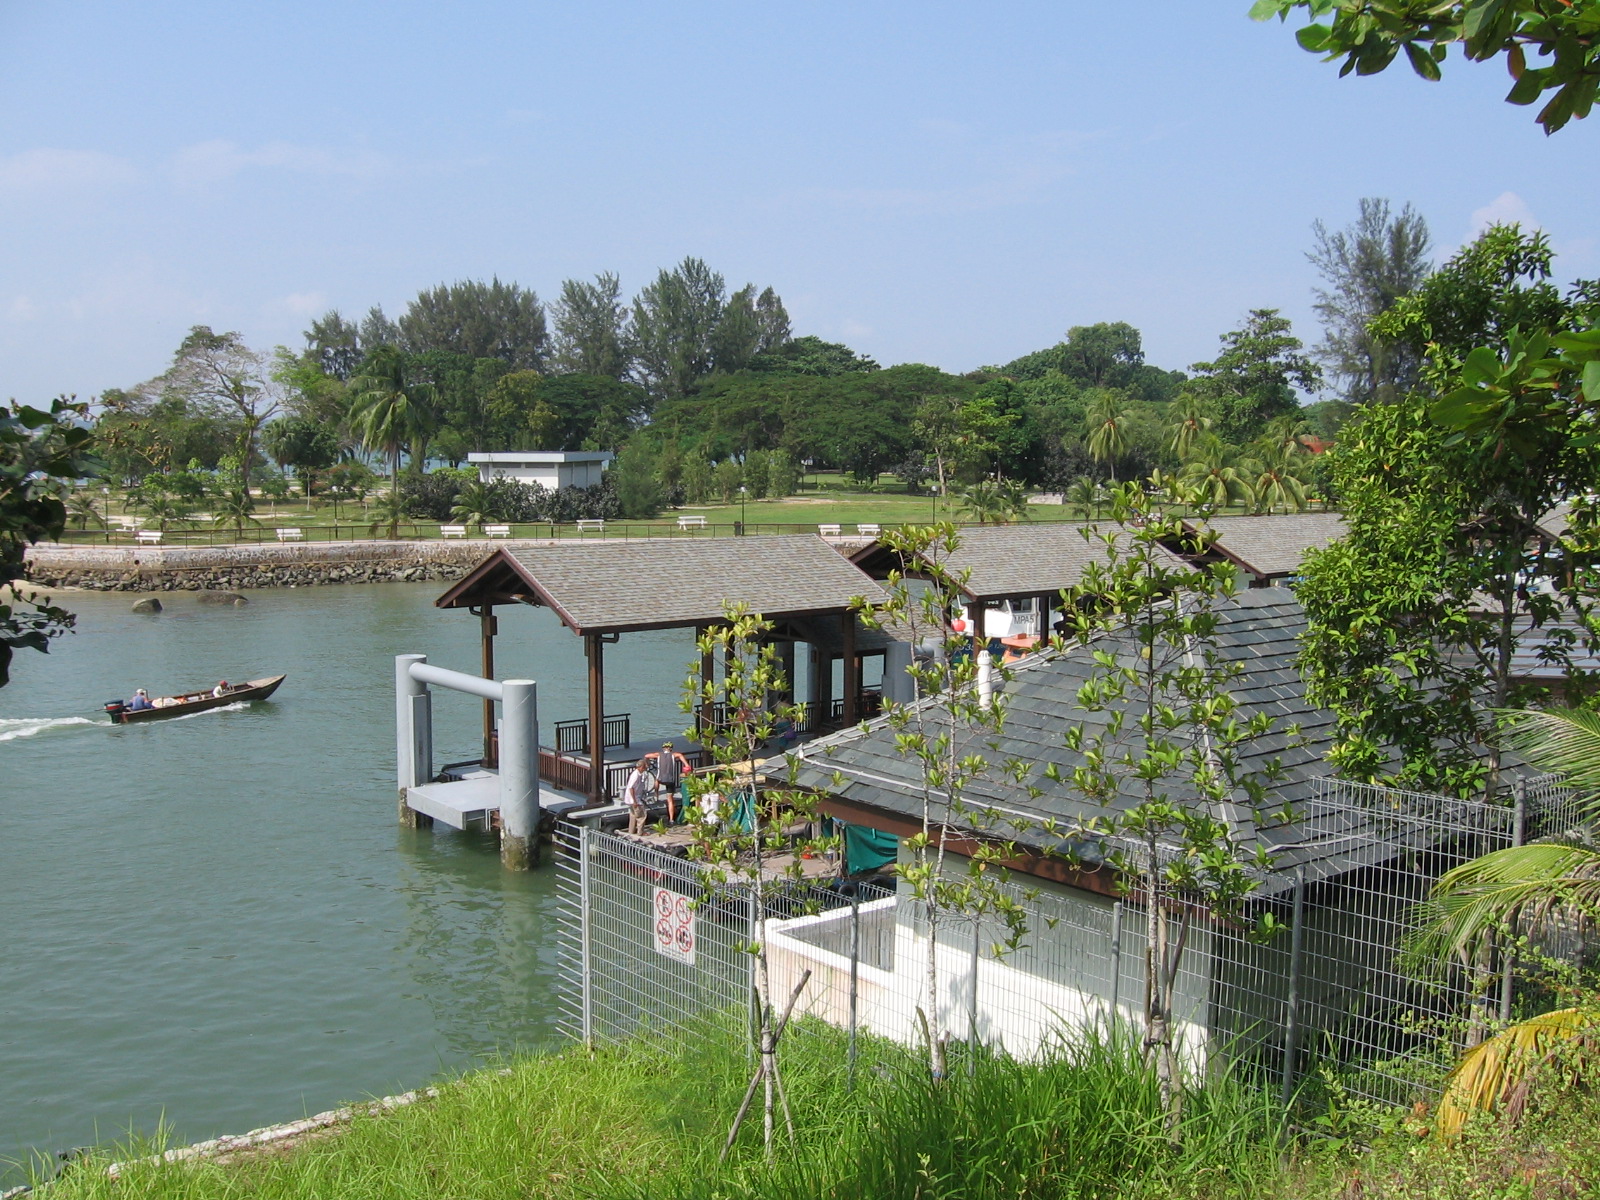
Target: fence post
{"type": "Point", "coordinates": [1519, 835]}
{"type": "Point", "coordinates": [1291, 1020]}
{"type": "Point", "coordinates": [585, 957]}
{"type": "Point", "coordinates": [1116, 959]}
{"type": "Point", "coordinates": [855, 975]}
{"type": "Point", "coordinates": [972, 1003]}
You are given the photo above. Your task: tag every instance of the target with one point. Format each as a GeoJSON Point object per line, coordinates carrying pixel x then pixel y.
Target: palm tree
{"type": "Point", "coordinates": [478, 504]}
{"type": "Point", "coordinates": [1189, 423]}
{"type": "Point", "coordinates": [82, 510]}
{"type": "Point", "coordinates": [1529, 891]}
{"type": "Point", "coordinates": [1218, 474]}
{"type": "Point", "coordinates": [389, 411]}
{"type": "Point", "coordinates": [1108, 439]}
{"type": "Point", "coordinates": [1085, 495]}
{"type": "Point", "coordinates": [234, 508]}
{"type": "Point", "coordinates": [995, 502]}
{"type": "Point", "coordinates": [1279, 483]}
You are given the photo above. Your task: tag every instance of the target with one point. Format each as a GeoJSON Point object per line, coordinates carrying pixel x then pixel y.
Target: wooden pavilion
{"type": "Point", "coordinates": [800, 583]}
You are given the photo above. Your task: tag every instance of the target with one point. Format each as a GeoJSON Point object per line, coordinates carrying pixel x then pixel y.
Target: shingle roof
{"type": "Point", "coordinates": [1260, 629]}
{"type": "Point", "coordinates": [1272, 546]}
{"type": "Point", "coordinates": [656, 583]}
{"type": "Point", "coordinates": [1022, 560]}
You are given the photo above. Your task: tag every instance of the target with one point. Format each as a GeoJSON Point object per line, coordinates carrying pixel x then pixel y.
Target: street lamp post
{"type": "Point", "coordinates": [743, 492]}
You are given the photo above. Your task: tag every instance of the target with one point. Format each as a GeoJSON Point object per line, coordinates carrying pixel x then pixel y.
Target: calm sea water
{"type": "Point", "coordinates": [216, 919]}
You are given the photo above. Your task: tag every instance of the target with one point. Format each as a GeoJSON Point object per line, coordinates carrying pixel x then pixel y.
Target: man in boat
{"type": "Point", "coordinates": [140, 701]}
{"type": "Point", "coordinates": [222, 689]}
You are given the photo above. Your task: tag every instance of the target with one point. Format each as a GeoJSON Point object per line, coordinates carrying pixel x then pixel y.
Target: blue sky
{"type": "Point", "coordinates": [933, 182]}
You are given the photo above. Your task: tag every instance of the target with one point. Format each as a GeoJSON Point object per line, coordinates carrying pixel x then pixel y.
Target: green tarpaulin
{"type": "Point", "coordinates": [867, 849]}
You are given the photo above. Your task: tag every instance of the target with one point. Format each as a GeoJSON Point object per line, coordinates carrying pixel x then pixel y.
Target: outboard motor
{"type": "Point", "coordinates": [115, 709]}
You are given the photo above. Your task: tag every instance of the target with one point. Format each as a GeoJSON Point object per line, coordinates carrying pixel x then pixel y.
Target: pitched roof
{"type": "Point", "coordinates": [1015, 560]}
{"type": "Point", "coordinates": [1273, 546]}
{"type": "Point", "coordinates": [1259, 629]}
{"type": "Point", "coordinates": [663, 583]}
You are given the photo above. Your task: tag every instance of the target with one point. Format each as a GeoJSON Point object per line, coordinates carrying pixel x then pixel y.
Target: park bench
{"type": "Point", "coordinates": [592, 525]}
{"type": "Point", "coordinates": [497, 531]}
{"type": "Point", "coordinates": [291, 533]}
{"type": "Point", "coordinates": [691, 522]}
{"type": "Point", "coordinates": [127, 524]}
{"type": "Point", "coordinates": [148, 537]}
{"type": "Point", "coordinates": [450, 531]}
{"type": "Point", "coordinates": [868, 530]}
{"type": "Point", "coordinates": [828, 530]}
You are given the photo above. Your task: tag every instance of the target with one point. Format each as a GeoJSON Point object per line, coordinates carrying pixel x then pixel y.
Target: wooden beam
{"type": "Point", "coordinates": [595, 649]}
{"type": "Point", "coordinates": [705, 712]}
{"type": "Point", "coordinates": [487, 628]}
{"type": "Point", "coordinates": [852, 667]}
{"type": "Point", "coordinates": [1103, 881]}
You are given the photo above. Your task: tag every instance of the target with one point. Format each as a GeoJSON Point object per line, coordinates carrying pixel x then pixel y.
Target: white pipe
{"type": "Point", "coordinates": [456, 681]}
{"type": "Point", "coordinates": [985, 679]}
{"type": "Point", "coordinates": [410, 712]}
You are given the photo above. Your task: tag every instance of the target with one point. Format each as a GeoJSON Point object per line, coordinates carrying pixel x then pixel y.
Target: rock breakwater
{"type": "Point", "coordinates": [234, 568]}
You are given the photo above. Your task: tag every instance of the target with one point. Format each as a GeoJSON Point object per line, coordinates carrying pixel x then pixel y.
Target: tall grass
{"type": "Point", "coordinates": [648, 1120]}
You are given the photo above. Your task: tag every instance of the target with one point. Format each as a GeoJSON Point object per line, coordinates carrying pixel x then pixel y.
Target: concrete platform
{"type": "Point", "coordinates": [471, 802]}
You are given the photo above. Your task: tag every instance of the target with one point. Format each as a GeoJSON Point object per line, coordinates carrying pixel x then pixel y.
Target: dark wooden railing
{"type": "Point", "coordinates": [572, 737]}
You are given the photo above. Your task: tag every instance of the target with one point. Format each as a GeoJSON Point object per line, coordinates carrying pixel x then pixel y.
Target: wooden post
{"type": "Point", "coordinates": [706, 713]}
{"type": "Point", "coordinates": [488, 628]}
{"type": "Point", "coordinates": [597, 710]}
{"type": "Point", "coordinates": [852, 686]}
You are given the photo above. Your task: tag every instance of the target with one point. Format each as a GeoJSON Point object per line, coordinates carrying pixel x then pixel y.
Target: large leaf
{"type": "Point", "coordinates": [1497, 1073]}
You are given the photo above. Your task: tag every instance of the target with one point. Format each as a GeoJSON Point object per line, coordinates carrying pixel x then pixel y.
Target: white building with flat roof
{"type": "Point", "coordinates": [551, 469]}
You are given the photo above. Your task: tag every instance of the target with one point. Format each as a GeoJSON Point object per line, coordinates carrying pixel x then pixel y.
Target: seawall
{"type": "Point", "coordinates": [295, 564]}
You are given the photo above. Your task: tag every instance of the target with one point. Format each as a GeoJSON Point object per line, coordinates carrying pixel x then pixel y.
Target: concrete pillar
{"type": "Point", "coordinates": [898, 686]}
{"type": "Point", "coordinates": [413, 726]}
{"type": "Point", "coordinates": [519, 774]}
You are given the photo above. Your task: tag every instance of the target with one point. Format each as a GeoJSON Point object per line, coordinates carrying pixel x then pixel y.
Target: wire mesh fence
{"type": "Point", "coordinates": [651, 942]}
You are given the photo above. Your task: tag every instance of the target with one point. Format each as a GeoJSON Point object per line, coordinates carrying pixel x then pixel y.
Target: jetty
{"type": "Point", "coordinates": [600, 592]}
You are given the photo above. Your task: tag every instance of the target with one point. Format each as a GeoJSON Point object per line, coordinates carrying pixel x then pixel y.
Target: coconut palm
{"type": "Point", "coordinates": [1085, 495]}
{"type": "Point", "coordinates": [1108, 434]}
{"type": "Point", "coordinates": [234, 508]}
{"type": "Point", "coordinates": [1218, 474]}
{"type": "Point", "coordinates": [83, 512]}
{"type": "Point", "coordinates": [1529, 891]}
{"type": "Point", "coordinates": [390, 411]}
{"type": "Point", "coordinates": [995, 502]}
{"type": "Point", "coordinates": [1189, 423]}
{"type": "Point", "coordinates": [1279, 484]}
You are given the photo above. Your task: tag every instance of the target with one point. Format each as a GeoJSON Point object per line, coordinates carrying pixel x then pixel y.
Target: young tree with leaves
{"type": "Point", "coordinates": [1161, 747]}
{"type": "Point", "coordinates": [1254, 379]}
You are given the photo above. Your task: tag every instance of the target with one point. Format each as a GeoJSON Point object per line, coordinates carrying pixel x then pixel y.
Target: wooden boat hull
{"type": "Point", "coordinates": [193, 702]}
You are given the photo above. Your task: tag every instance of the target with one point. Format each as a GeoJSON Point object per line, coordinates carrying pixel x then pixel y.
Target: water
{"type": "Point", "coordinates": [216, 918]}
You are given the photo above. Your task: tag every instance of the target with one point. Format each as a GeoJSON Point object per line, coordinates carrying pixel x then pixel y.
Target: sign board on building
{"type": "Point", "coordinates": [675, 931]}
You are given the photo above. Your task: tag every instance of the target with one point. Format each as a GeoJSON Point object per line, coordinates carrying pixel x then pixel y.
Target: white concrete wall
{"type": "Point", "coordinates": [1058, 982]}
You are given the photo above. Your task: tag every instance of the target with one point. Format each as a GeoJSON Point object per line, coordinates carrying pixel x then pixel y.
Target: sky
{"type": "Point", "coordinates": [946, 183]}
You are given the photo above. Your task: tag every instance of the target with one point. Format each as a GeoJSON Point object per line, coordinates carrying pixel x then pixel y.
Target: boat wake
{"type": "Point", "coordinates": [238, 706]}
{"type": "Point", "coordinates": [12, 728]}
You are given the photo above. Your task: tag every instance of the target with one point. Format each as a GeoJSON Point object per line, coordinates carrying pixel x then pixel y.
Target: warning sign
{"type": "Point", "coordinates": [674, 926]}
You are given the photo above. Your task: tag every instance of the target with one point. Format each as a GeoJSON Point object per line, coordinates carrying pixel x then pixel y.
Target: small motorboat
{"type": "Point", "coordinates": [192, 702]}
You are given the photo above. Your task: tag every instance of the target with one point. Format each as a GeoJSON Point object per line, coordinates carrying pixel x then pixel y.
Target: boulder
{"type": "Point", "coordinates": [147, 605]}
{"type": "Point", "coordinates": [222, 598]}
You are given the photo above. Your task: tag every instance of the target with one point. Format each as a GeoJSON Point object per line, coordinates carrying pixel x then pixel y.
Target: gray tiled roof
{"type": "Point", "coordinates": [1026, 559]}
{"type": "Point", "coordinates": [1272, 546]}
{"type": "Point", "coordinates": [1260, 629]}
{"type": "Point", "coordinates": [662, 582]}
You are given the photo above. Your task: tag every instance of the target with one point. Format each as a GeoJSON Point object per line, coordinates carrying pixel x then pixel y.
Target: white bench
{"type": "Point", "coordinates": [148, 537]}
{"type": "Point", "coordinates": [868, 530]}
{"type": "Point", "coordinates": [291, 534]}
{"type": "Point", "coordinates": [127, 524]}
{"type": "Point", "coordinates": [592, 525]}
{"type": "Point", "coordinates": [828, 530]}
{"type": "Point", "coordinates": [497, 531]}
{"type": "Point", "coordinates": [449, 531]}
{"type": "Point", "coordinates": [691, 522]}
